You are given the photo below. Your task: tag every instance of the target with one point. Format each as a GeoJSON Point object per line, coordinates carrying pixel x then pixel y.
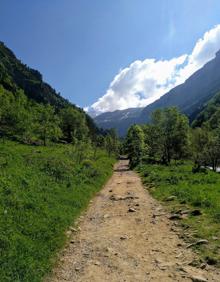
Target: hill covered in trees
{"type": "Point", "coordinates": [210, 113]}
{"type": "Point", "coordinates": [15, 75]}
{"type": "Point", "coordinates": [21, 85]}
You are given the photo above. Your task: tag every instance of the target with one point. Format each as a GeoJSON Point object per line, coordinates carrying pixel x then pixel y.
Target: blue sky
{"type": "Point", "coordinates": [80, 45]}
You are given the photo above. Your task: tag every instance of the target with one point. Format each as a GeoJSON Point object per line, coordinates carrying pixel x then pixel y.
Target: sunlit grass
{"type": "Point", "coordinates": [42, 191]}
{"type": "Point", "coordinates": [194, 191]}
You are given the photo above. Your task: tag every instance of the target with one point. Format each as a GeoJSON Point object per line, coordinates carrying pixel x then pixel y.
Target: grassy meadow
{"type": "Point", "coordinates": [192, 191]}
{"type": "Point", "coordinates": [42, 191]}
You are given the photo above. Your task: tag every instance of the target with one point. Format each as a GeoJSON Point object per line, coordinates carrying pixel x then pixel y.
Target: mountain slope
{"type": "Point", "coordinates": [210, 113]}
{"type": "Point", "coordinates": [120, 119]}
{"type": "Point", "coordinates": [15, 75]}
{"type": "Point", "coordinates": [190, 96]}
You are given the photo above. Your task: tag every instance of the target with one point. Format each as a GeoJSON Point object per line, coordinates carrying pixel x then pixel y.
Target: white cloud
{"type": "Point", "coordinates": [145, 81]}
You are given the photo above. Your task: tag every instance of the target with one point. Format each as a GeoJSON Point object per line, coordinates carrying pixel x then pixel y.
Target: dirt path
{"type": "Point", "coordinates": [126, 236]}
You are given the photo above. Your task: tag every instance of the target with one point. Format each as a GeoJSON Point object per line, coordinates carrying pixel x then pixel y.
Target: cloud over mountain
{"type": "Point", "coordinates": [143, 82]}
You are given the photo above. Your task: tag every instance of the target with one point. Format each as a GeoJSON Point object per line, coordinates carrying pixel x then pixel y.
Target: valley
{"type": "Point", "coordinates": [110, 156]}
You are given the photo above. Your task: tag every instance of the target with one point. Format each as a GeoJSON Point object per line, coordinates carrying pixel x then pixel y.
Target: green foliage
{"type": "Point", "coordinates": [111, 142]}
{"type": "Point", "coordinates": [209, 114]}
{"type": "Point", "coordinates": [134, 144]}
{"type": "Point", "coordinates": [166, 138]}
{"type": "Point", "coordinates": [73, 125]}
{"type": "Point", "coordinates": [48, 124]}
{"type": "Point", "coordinates": [27, 121]}
{"type": "Point", "coordinates": [205, 147]}
{"type": "Point", "coordinates": [200, 190]}
{"type": "Point", "coordinates": [172, 130]}
{"type": "Point", "coordinates": [42, 191]}
{"type": "Point", "coordinates": [33, 123]}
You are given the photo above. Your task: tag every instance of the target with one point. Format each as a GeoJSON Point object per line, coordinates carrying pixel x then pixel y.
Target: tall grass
{"type": "Point", "coordinates": [42, 191]}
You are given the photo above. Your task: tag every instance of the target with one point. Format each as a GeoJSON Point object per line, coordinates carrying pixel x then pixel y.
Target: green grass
{"type": "Point", "coordinates": [42, 191]}
{"type": "Point", "coordinates": [192, 191]}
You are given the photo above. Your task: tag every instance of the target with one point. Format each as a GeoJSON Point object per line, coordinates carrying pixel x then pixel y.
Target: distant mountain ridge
{"type": "Point", "coordinates": [189, 97]}
{"type": "Point", "coordinates": [119, 119]}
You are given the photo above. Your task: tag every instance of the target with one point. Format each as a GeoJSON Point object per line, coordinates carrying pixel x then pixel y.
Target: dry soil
{"type": "Point", "coordinates": [126, 235]}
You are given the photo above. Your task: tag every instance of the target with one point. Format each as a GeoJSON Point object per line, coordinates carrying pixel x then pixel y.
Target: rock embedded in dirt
{"type": "Point", "coordinates": [199, 242]}
{"type": "Point", "coordinates": [86, 254]}
{"type": "Point", "coordinates": [184, 212]}
{"type": "Point", "coordinates": [171, 198]}
{"type": "Point", "coordinates": [198, 278]}
{"type": "Point", "coordinates": [194, 263]}
{"type": "Point", "coordinates": [131, 210]}
{"type": "Point", "coordinates": [122, 198]}
{"type": "Point", "coordinates": [114, 198]}
{"type": "Point", "coordinates": [158, 214]}
{"type": "Point", "coordinates": [202, 241]}
{"type": "Point", "coordinates": [68, 233]}
{"type": "Point", "coordinates": [109, 250]}
{"type": "Point", "coordinates": [179, 255]}
{"type": "Point", "coordinates": [175, 216]}
{"type": "Point", "coordinates": [124, 237]}
{"type": "Point", "coordinates": [203, 266]}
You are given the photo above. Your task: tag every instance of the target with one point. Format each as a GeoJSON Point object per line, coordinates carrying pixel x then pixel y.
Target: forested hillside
{"type": "Point", "coordinates": [210, 113]}
{"type": "Point", "coordinates": [27, 88]}
{"type": "Point", "coordinates": [15, 75]}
